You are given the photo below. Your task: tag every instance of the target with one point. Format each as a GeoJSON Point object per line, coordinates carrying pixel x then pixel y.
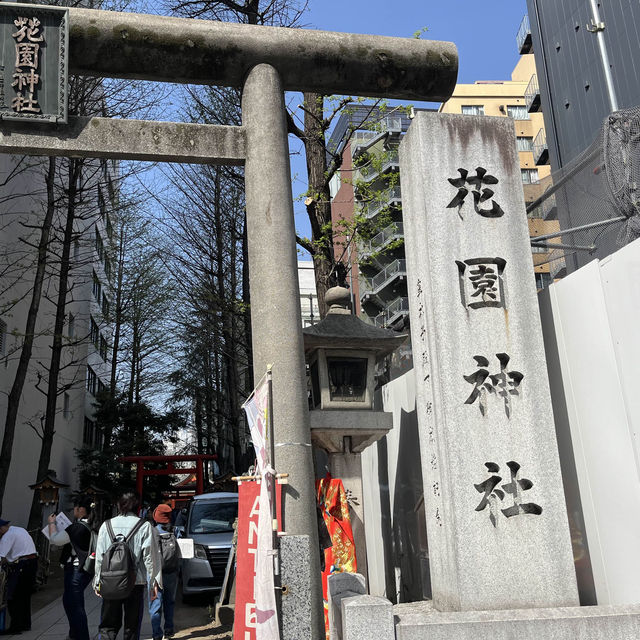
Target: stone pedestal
{"type": "Point", "coordinates": [297, 579]}
{"type": "Point", "coordinates": [344, 435]}
{"type": "Point", "coordinates": [419, 621]}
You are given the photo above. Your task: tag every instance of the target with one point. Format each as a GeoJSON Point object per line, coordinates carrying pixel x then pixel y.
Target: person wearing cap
{"type": "Point", "coordinates": [17, 548]}
{"type": "Point", "coordinates": [75, 541]}
{"type": "Point", "coordinates": [165, 602]}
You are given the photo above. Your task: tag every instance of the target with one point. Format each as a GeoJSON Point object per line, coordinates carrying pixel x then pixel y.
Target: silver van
{"type": "Point", "coordinates": [209, 522]}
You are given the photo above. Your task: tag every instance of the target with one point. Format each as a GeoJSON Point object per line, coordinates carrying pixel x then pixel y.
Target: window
{"type": "Point", "coordinates": [213, 516]}
{"type": "Point", "coordinates": [104, 348]}
{"type": "Point", "coordinates": [92, 381]}
{"type": "Point", "coordinates": [98, 438]}
{"type": "Point", "coordinates": [101, 205]}
{"type": "Point", "coordinates": [529, 176]}
{"type": "Point", "coordinates": [71, 328]}
{"type": "Point", "coordinates": [3, 337]}
{"type": "Point", "coordinates": [105, 307]}
{"type": "Point", "coordinates": [517, 112]}
{"type": "Point", "coordinates": [107, 267]}
{"type": "Point", "coordinates": [473, 110]}
{"type": "Point", "coordinates": [88, 433]}
{"type": "Point", "coordinates": [95, 334]}
{"type": "Point", "coordinates": [99, 246]}
{"type": "Point", "coordinates": [65, 406]}
{"type": "Point", "coordinates": [76, 249]}
{"type": "Point", "coordinates": [109, 227]}
{"type": "Point", "coordinates": [96, 287]}
{"type": "Point", "coordinates": [524, 143]}
{"type": "Point", "coordinates": [101, 386]}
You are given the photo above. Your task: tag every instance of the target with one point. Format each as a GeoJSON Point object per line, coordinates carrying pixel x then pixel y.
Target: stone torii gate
{"type": "Point", "coordinates": [265, 62]}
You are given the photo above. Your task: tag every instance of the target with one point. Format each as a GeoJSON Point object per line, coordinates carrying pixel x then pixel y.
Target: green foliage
{"type": "Point", "coordinates": [420, 32]}
{"type": "Point", "coordinates": [137, 430]}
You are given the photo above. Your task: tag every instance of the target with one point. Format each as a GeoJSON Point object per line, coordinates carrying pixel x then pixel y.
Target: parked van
{"type": "Point", "coordinates": [209, 523]}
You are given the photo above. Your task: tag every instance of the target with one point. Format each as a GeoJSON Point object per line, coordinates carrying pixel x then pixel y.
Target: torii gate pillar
{"type": "Point", "coordinates": [275, 300]}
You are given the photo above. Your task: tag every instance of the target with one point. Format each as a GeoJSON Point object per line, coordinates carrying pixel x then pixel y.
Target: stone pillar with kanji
{"type": "Point", "coordinates": [496, 518]}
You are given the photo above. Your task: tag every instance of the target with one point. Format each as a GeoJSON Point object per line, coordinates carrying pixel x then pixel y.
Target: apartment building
{"type": "Point", "coordinates": [367, 187]}
{"type": "Point", "coordinates": [86, 337]}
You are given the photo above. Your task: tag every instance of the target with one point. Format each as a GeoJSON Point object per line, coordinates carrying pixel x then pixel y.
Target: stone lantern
{"type": "Point", "coordinates": [342, 352]}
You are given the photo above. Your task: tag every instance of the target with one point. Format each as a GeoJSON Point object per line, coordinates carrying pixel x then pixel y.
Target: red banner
{"type": "Point", "coordinates": [244, 625]}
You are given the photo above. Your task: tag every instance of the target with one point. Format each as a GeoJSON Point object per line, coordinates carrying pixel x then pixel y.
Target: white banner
{"type": "Point", "coordinates": [256, 408]}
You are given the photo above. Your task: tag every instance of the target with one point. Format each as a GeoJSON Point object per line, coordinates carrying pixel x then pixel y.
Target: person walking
{"type": "Point", "coordinates": [19, 551]}
{"type": "Point", "coordinates": [140, 538]}
{"type": "Point", "coordinates": [170, 553]}
{"type": "Point", "coordinates": [75, 541]}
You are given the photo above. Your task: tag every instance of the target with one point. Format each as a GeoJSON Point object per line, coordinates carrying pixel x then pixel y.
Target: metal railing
{"type": "Point", "coordinates": [370, 209]}
{"type": "Point", "coordinates": [371, 170]}
{"type": "Point", "coordinates": [398, 307]}
{"type": "Point", "coordinates": [394, 230]}
{"type": "Point", "coordinates": [540, 149]}
{"type": "Point", "coordinates": [543, 210]}
{"type": "Point", "coordinates": [397, 267]}
{"type": "Point", "coordinates": [532, 94]}
{"type": "Point", "coordinates": [364, 137]}
{"type": "Point", "coordinates": [523, 38]}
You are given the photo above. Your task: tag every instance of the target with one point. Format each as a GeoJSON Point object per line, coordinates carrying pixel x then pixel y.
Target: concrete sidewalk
{"type": "Point", "coordinates": [50, 622]}
{"type": "Point", "coordinates": [192, 622]}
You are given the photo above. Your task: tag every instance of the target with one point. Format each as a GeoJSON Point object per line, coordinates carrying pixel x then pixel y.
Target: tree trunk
{"type": "Point", "coordinates": [48, 431]}
{"type": "Point", "coordinates": [13, 401]}
{"type": "Point", "coordinates": [318, 202]}
{"type": "Point", "coordinates": [198, 422]}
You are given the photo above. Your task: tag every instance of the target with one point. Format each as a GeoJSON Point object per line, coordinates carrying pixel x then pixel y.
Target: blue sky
{"type": "Point", "coordinates": [484, 32]}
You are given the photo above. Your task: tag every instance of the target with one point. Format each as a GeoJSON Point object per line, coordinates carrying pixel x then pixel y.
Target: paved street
{"type": "Point", "coordinates": [192, 621]}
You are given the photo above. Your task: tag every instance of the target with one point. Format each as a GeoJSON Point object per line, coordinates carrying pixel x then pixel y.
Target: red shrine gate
{"type": "Point", "coordinates": [171, 469]}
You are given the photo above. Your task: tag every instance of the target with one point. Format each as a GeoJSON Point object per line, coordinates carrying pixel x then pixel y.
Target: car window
{"type": "Point", "coordinates": [212, 517]}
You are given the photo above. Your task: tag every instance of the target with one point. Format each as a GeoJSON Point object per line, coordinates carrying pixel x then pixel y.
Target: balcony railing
{"type": "Point", "coordinates": [540, 149]}
{"type": "Point", "coordinates": [390, 196]}
{"type": "Point", "coordinates": [399, 307]}
{"type": "Point", "coordinates": [378, 241]}
{"type": "Point", "coordinates": [546, 210]}
{"type": "Point", "coordinates": [524, 36]}
{"type": "Point", "coordinates": [380, 280]}
{"type": "Point", "coordinates": [370, 171]}
{"type": "Point", "coordinates": [532, 95]}
{"type": "Point", "coordinates": [364, 137]}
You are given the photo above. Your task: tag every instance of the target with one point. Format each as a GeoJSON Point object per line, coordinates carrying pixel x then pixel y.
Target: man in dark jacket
{"type": "Point", "coordinates": [75, 541]}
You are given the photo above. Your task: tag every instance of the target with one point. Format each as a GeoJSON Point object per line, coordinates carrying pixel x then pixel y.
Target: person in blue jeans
{"type": "Point", "coordinates": [165, 602]}
{"type": "Point", "coordinates": [75, 541]}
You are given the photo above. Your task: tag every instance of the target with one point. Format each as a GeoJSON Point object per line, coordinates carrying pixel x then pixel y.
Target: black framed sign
{"type": "Point", "coordinates": [33, 62]}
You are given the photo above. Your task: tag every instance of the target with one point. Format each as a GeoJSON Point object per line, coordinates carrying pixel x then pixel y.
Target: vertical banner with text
{"type": "Point", "coordinates": [246, 618]}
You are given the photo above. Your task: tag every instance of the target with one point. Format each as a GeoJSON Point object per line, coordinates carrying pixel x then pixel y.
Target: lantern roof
{"type": "Point", "coordinates": [340, 329]}
{"type": "Point", "coordinates": [48, 481]}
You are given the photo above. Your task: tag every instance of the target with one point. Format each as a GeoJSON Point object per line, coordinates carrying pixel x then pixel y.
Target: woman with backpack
{"type": "Point", "coordinates": [170, 552]}
{"type": "Point", "coordinates": [127, 560]}
{"type": "Point", "coordinates": [78, 542]}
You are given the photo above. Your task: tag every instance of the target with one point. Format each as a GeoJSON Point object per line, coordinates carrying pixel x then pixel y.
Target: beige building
{"type": "Point", "coordinates": [519, 99]}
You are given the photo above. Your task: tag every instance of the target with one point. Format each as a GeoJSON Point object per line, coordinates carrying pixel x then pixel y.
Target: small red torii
{"type": "Point", "coordinates": [171, 469]}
